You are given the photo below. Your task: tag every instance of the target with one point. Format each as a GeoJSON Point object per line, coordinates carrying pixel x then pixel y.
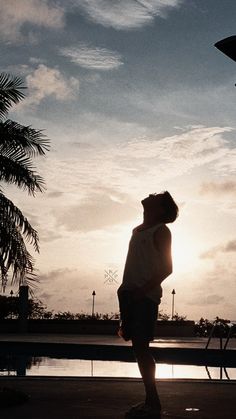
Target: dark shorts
{"type": "Point", "coordinates": [138, 318]}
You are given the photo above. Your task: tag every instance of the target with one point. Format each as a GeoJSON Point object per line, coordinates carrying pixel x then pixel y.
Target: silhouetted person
{"type": "Point", "coordinates": [148, 263]}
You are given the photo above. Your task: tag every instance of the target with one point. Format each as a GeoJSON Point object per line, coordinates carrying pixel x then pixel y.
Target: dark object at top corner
{"type": "Point", "coordinates": [228, 46]}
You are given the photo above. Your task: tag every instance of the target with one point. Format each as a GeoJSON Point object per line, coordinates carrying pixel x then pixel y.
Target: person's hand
{"type": "Point", "coordinates": [138, 294]}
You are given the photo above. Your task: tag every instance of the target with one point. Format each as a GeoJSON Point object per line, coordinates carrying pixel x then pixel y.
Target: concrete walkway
{"type": "Point", "coordinates": [60, 398]}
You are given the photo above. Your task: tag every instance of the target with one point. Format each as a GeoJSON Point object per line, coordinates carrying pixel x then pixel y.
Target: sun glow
{"type": "Point", "coordinates": [184, 253]}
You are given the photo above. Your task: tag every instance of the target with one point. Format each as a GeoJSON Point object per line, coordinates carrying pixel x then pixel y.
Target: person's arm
{"type": "Point", "coordinates": [162, 240]}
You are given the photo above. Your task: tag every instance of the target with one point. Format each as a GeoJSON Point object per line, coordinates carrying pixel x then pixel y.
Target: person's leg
{"type": "Point", "coordinates": [126, 316]}
{"type": "Point", "coordinates": [147, 369]}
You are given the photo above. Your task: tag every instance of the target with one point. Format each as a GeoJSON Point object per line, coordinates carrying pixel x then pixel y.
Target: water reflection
{"type": "Point", "coordinates": [44, 366]}
{"type": "Point", "coordinates": [17, 365]}
{"type": "Point", "coordinates": [223, 371]}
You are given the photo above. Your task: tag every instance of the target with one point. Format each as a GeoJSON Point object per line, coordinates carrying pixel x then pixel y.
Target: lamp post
{"type": "Point", "coordinates": [173, 303]}
{"type": "Point", "coordinates": [93, 294]}
{"type": "Point", "coordinates": [11, 294]}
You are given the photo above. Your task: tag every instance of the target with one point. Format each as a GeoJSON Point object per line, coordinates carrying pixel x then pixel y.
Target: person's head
{"type": "Point", "coordinates": [161, 207]}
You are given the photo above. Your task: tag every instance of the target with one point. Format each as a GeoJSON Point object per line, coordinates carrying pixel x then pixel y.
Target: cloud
{"type": "Point", "coordinates": [54, 194]}
{"type": "Point", "coordinates": [125, 14]}
{"type": "Point", "coordinates": [211, 253]}
{"type": "Point", "coordinates": [230, 246]}
{"type": "Point", "coordinates": [47, 235]}
{"type": "Point", "coordinates": [47, 82]}
{"type": "Point", "coordinates": [153, 160]}
{"type": "Point", "coordinates": [36, 60]}
{"type": "Point", "coordinates": [199, 144]}
{"type": "Point", "coordinates": [93, 58]}
{"type": "Point", "coordinates": [132, 165]}
{"type": "Point", "coordinates": [205, 300]}
{"type": "Point", "coordinates": [41, 222]}
{"type": "Point", "coordinates": [214, 299]}
{"type": "Point", "coordinates": [98, 210]}
{"type": "Point", "coordinates": [208, 290]}
{"type": "Point", "coordinates": [22, 69]}
{"type": "Point", "coordinates": [81, 145]}
{"type": "Point", "coordinates": [226, 187]}
{"type": "Point", "coordinates": [59, 286]}
{"type": "Point", "coordinates": [14, 15]}
{"type": "Point", "coordinates": [61, 273]}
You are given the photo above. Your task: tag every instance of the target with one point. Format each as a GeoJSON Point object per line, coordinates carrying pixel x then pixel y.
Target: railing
{"type": "Point", "coordinates": [219, 329]}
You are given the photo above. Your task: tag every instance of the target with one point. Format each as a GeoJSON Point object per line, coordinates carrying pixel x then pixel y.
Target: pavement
{"type": "Point", "coordinates": [80, 398]}
{"type": "Point", "coordinates": [95, 397]}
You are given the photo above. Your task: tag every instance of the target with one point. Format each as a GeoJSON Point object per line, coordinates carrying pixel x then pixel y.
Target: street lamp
{"type": "Point", "coordinates": [93, 294]}
{"type": "Point", "coordinates": [11, 294]}
{"type": "Point", "coordinates": [173, 303]}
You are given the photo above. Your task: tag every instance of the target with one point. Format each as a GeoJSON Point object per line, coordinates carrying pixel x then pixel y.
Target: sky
{"type": "Point", "coordinates": [135, 99]}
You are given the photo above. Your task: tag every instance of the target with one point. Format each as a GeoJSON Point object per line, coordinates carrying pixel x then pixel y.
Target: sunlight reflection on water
{"type": "Point", "coordinates": [82, 368]}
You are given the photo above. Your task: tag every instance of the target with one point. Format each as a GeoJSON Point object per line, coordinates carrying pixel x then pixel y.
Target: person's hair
{"type": "Point", "coordinates": [170, 207]}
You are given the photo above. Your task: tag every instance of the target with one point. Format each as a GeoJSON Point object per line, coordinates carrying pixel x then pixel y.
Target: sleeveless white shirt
{"type": "Point", "coordinates": [142, 262]}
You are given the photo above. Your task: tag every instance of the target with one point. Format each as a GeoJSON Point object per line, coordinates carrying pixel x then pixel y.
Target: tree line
{"type": "Point", "coordinates": [9, 309]}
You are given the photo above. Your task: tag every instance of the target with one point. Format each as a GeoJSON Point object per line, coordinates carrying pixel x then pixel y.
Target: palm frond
{"type": "Point", "coordinates": [29, 141]}
{"type": "Point", "coordinates": [8, 211]}
{"type": "Point", "coordinates": [19, 171]}
{"type": "Point", "coordinates": [10, 92]}
{"type": "Point", "coordinates": [14, 256]}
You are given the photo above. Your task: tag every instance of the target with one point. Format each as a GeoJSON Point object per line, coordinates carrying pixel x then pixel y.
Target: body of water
{"type": "Point", "coordinates": [45, 366]}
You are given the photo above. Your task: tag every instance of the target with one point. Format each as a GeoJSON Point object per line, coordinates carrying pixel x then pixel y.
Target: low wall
{"type": "Point", "coordinates": [96, 327]}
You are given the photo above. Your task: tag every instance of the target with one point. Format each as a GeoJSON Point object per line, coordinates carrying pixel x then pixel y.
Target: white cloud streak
{"type": "Point", "coordinates": [125, 14]}
{"type": "Point", "coordinates": [93, 58]}
{"type": "Point", "coordinates": [134, 164]}
{"type": "Point", "coordinates": [15, 14]}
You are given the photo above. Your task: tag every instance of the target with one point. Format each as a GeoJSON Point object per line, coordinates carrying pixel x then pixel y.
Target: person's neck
{"type": "Point", "coordinates": [149, 221]}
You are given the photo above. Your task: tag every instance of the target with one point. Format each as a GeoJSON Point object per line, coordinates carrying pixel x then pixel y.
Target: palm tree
{"type": "Point", "coordinates": [18, 146]}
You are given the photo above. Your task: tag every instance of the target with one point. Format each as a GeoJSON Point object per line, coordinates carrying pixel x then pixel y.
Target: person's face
{"type": "Point", "coordinates": [153, 203]}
